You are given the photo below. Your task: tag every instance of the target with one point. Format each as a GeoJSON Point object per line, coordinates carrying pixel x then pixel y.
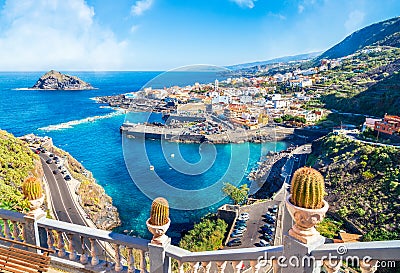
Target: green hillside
{"type": "Point", "coordinates": [363, 184]}
{"type": "Point", "coordinates": [380, 98]}
{"type": "Point", "coordinates": [384, 33]}
{"type": "Point", "coordinates": [17, 162]}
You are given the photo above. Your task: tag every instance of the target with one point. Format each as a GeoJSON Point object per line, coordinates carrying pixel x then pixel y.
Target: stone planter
{"type": "Point", "coordinates": [305, 222]}
{"type": "Point", "coordinates": [159, 237]}
{"type": "Point", "coordinates": [35, 206]}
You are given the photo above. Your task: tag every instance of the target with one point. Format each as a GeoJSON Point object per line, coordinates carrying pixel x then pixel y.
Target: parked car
{"type": "Point", "coordinates": [51, 155]}
{"type": "Point", "coordinates": [241, 229]}
{"type": "Point", "coordinates": [67, 177]}
{"type": "Point", "coordinates": [235, 235]}
{"type": "Point", "coordinates": [56, 171]}
{"type": "Point", "coordinates": [266, 237]}
{"type": "Point", "coordinates": [49, 161]}
{"type": "Point", "coordinates": [235, 242]}
{"type": "Point", "coordinates": [37, 151]}
{"type": "Point", "coordinates": [57, 161]}
{"type": "Point", "coordinates": [269, 220]}
{"type": "Point", "coordinates": [241, 224]}
{"type": "Point", "coordinates": [244, 216]}
{"type": "Point", "coordinates": [264, 243]}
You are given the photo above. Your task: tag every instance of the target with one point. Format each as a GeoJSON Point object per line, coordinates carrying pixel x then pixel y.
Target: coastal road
{"type": "Point", "coordinates": [64, 207]}
{"type": "Point", "coordinates": [297, 161]}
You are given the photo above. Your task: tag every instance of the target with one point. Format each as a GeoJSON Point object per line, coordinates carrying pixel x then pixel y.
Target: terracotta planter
{"type": "Point", "coordinates": [35, 206]}
{"type": "Point", "coordinates": [305, 222]}
{"type": "Point", "coordinates": [159, 237]}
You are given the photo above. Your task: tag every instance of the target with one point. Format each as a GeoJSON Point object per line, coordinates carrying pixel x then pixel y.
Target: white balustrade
{"type": "Point", "coordinates": [17, 226]}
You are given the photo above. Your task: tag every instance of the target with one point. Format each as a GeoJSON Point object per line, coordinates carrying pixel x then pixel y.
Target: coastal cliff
{"type": "Point", "coordinates": [54, 80]}
{"type": "Point", "coordinates": [17, 162]}
{"type": "Point", "coordinates": [92, 197]}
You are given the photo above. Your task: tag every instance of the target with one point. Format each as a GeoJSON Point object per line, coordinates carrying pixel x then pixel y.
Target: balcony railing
{"type": "Point", "coordinates": [83, 249]}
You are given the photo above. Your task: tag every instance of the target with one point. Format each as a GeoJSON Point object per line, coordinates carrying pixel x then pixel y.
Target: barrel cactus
{"type": "Point", "coordinates": [32, 188]}
{"type": "Point", "coordinates": [307, 188]}
{"type": "Point", "coordinates": [159, 214]}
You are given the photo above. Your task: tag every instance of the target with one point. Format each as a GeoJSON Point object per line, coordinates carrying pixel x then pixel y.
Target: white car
{"type": "Point", "coordinates": [244, 216]}
{"type": "Point", "coordinates": [264, 243]}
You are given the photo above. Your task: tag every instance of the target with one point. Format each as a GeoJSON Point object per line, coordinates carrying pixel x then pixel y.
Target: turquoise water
{"type": "Point", "coordinates": [98, 145]}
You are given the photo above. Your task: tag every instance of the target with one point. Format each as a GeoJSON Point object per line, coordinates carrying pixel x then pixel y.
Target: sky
{"type": "Point", "coordinates": [94, 35]}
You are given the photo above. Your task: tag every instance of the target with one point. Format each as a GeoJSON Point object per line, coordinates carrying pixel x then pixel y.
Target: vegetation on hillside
{"type": "Point", "coordinates": [363, 183]}
{"type": "Point", "coordinates": [382, 33]}
{"type": "Point", "coordinates": [17, 162]}
{"type": "Point", "coordinates": [237, 194]}
{"type": "Point", "coordinates": [366, 82]}
{"type": "Point", "coordinates": [208, 234]}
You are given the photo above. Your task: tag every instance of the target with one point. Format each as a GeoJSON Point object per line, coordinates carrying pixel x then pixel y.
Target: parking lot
{"type": "Point", "coordinates": [252, 236]}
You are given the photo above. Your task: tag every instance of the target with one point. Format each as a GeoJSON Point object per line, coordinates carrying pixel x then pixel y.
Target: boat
{"type": "Point", "coordinates": [151, 168]}
{"type": "Point", "coordinates": [172, 155]}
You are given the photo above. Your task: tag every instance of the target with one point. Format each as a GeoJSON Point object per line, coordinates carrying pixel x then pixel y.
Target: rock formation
{"type": "Point", "coordinates": [54, 80]}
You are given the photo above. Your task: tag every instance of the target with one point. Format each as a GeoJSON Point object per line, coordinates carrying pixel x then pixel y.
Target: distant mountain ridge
{"type": "Point", "coordinates": [385, 33]}
{"type": "Point", "coordinates": [54, 80]}
{"type": "Point", "coordinates": [284, 59]}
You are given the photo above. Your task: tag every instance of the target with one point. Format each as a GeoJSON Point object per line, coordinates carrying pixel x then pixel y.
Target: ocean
{"type": "Point", "coordinates": [189, 175]}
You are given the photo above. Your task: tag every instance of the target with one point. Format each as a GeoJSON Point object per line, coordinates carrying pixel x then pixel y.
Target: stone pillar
{"type": "Point", "coordinates": [31, 232]}
{"type": "Point", "coordinates": [296, 257]}
{"type": "Point", "coordinates": [159, 262]}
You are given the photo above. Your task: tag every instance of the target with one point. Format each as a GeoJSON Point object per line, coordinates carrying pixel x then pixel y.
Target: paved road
{"type": "Point", "coordinates": [298, 160]}
{"type": "Point", "coordinates": [64, 207]}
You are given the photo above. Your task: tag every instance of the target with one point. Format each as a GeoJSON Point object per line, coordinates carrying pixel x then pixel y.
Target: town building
{"type": "Point", "coordinates": [390, 125]}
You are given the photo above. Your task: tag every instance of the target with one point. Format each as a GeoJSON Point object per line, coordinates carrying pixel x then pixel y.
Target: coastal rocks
{"type": "Point", "coordinates": [92, 197]}
{"type": "Point", "coordinates": [54, 80]}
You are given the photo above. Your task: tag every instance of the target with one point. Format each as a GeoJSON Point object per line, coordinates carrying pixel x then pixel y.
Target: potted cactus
{"type": "Point", "coordinates": [33, 192]}
{"type": "Point", "coordinates": [306, 204]}
{"type": "Point", "coordinates": [159, 221]}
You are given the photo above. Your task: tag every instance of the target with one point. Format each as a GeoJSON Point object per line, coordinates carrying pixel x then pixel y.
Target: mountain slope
{"type": "Point", "coordinates": [380, 98]}
{"type": "Point", "coordinates": [385, 33]}
{"type": "Point", "coordinates": [285, 59]}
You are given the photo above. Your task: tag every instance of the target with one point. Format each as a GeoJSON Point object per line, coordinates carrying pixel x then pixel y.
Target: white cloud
{"type": "Point", "coordinates": [245, 3]}
{"type": "Point", "coordinates": [300, 8]}
{"type": "Point", "coordinates": [141, 6]}
{"type": "Point", "coordinates": [354, 20]}
{"type": "Point", "coordinates": [134, 28]}
{"type": "Point", "coordinates": [277, 15]}
{"type": "Point", "coordinates": [59, 34]}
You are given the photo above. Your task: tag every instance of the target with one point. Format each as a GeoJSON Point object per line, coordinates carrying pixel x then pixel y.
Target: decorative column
{"type": "Point", "coordinates": [307, 208]}
{"type": "Point", "coordinates": [158, 224]}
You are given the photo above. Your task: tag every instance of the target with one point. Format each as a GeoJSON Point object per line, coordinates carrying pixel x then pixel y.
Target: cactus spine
{"type": "Point", "coordinates": [307, 188]}
{"type": "Point", "coordinates": [32, 188]}
{"type": "Point", "coordinates": [159, 214]}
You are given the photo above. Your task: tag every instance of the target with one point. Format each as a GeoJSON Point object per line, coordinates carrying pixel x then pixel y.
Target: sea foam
{"type": "Point", "coordinates": [71, 124]}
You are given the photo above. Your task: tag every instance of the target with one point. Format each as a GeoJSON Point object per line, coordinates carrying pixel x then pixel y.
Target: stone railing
{"type": "Point", "coordinates": [84, 249]}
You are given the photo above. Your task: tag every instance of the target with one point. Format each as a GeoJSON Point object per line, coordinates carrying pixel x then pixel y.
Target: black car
{"type": "Point", "coordinates": [234, 243]}
{"type": "Point", "coordinates": [51, 155]}
{"type": "Point", "coordinates": [266, 237]}
{"type": "Point", "coordinates": [55, 158]}
{"type": "Point", "coordinates": [67, 177]}
{"type": "Point", "coordinates": [56, 171]}
{"type": "Point", "coordinates": [49, 161]}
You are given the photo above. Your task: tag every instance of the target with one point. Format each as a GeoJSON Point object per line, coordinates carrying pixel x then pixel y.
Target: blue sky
{"type": "Point", "coordinates": [165, 34]}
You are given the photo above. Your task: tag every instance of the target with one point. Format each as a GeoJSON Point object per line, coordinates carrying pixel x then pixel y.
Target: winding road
{"type": "Point", "coordinates": [63, 206]}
